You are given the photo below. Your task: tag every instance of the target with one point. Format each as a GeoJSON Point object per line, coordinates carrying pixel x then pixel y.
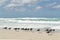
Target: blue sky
{"type": "Point", "coordinates": [29, 8]}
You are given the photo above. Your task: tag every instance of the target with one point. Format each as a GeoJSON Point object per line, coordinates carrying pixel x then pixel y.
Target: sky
{"type": "Point", "coordinates": [29, 8]}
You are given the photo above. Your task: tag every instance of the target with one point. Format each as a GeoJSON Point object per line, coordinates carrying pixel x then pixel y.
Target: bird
{"type": "Point", "coordinates": [47, 30]}
{"type": "Point", "coordinates": [53, 29]}
{"type": "Point", "coordinates": [38, 29]}
{"type": "Point", "coordinates": [9, 28]}
{"type": "Point", "coordinates": [31, 29]}
{"type": "Point", "coordinates": [5, 28]}
{"type": "Point", "coordinates": [15, 28]}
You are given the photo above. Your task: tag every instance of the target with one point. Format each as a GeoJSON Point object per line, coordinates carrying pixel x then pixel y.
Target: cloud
{"type": "Point", "coordinates": [38, 7]}
{"type": "Point", "coordinates": [14, 3]}
{"type": "Point", "coordinates": [56, 6]}
{"type": "Point", "coordinates": [17, 4]}
{"type": "Point", "coordinates": [22, 4]}
{"type": "Point", "coordinates": [2, 2]}
{"type": "Point", "coordinates": [11, 5]}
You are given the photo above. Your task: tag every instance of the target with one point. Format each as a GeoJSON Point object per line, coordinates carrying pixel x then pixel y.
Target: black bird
{"type": "Point", "coordinates": [15, 28]}
{"type": "Point", "coordinates": [9, 28]}
{"type": "Point", "coordinates": [38, 29]}
{"type": "Point", "coordinates": [25, 29]}
{"type": "Point", "coordinates": [5, 28]}
{"type": "Point", "coordinates": [31, 29]}
{"type": "Point", "coordinates": [47, 30]}
{"type": "Point", "coordinates": [18, 28]}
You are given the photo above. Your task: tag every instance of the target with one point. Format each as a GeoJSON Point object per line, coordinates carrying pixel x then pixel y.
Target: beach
{"type": "Point", "coordinates": [27, 35]}
{"type": "Point", "coordinates": [7, 34]}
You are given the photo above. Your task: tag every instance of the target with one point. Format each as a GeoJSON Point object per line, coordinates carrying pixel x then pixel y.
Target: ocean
{"type": "Point", "coordinates": [30, 22]}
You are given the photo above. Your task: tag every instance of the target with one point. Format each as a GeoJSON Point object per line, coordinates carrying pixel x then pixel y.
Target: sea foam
{"type": "Point", "coordinates": [29, 22]}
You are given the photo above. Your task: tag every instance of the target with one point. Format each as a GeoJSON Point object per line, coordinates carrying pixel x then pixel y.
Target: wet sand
{"type": "Point", "coordinates": [26, 35]}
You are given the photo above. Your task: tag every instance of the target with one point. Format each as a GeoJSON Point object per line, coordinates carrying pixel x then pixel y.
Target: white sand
{"type": "Point", "coordinates": [23, 35]}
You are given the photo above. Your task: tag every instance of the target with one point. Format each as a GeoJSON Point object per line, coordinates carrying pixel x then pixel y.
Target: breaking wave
{"type": "Point", "coordinates": [14, 22]}
{"type": "Point", "coordinates": [30, 19]}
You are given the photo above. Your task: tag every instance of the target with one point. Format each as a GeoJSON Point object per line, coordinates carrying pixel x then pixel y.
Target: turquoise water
{"type": "Point", "coordinates": [30, 19]}
{"type": "Point", "coordinates": [38, 19]}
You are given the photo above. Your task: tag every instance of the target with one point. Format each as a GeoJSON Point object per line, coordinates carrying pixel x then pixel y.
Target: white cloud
{"type": "Point", "coordinates": [11, 5]}
{"type": "Point", "coordinates": [56, 6]}
{"type": "Point", "coordinates": [18, 3]}
{"type": "Point", "coordinates": [2, 2]}
{"type": "Point", "coordinates": [38, 7]}
{"type": "Point", "coordinates": [23, 2]}
{"type": "Point", "coordinates": [15, 3]}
